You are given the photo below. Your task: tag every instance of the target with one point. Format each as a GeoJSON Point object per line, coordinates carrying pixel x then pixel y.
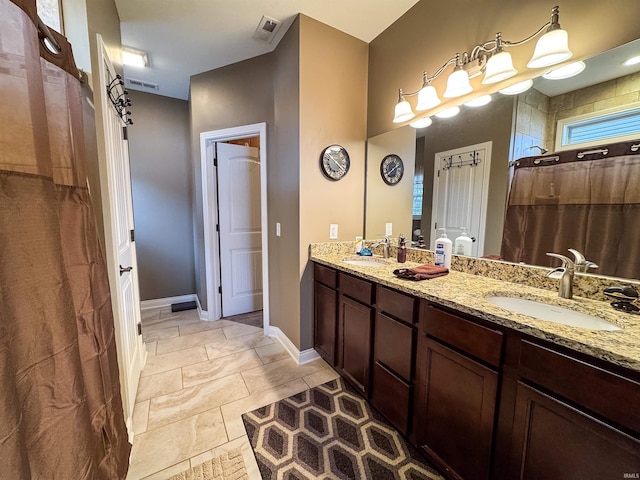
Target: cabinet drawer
{"type": "Point", "coordinates": [391, 396]}
{"type": "Point", "coordinates": [325, 275]}
{"type": "Point", "coordinates": [356, 288]}
{"type": "Point", "coordinates": [393, 345]}
{"type": "Point", "coordinates": [605, 393]}
{"type": "Point", "coordinates": [476, 340]}
{"type": "Point", "coordinates": [396, 304]}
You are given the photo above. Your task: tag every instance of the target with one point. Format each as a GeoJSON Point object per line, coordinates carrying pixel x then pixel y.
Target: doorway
{"type": "Point", "coordinates": [236, 263]}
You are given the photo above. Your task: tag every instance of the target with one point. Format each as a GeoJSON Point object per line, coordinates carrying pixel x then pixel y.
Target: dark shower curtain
{"type": "Point", "coordinates": [61, 412]}
{"type": "Point", "coordinates": [591, 204]}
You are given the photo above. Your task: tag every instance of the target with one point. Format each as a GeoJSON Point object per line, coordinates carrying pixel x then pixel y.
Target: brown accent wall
{"type": "Point", "coordinates": [161, 181]}
{"type": "Point", "coordinates": [238, 94]}
{"type": "Point", "coordinates": [333, 109]}
{"type": "Point", "coordinates": [431, 32]}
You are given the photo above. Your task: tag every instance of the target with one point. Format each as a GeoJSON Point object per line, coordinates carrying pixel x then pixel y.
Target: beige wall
{"type": "Point", "coordinates": [284, 186]}
{"type": "Point", "coordinates": [333, 109]}
{"type": "Point", "coordinates": [161, 181]}
{"type": "Point", "coordinates": [386, 203]}
{"type": "Point", "coordinates": [430, 33]}
{"type": "Point", "coordinates": [231, 96]}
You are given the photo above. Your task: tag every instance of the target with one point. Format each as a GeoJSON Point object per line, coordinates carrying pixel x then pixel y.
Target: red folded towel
{"type": "Point", "coordinates": [422, 272]}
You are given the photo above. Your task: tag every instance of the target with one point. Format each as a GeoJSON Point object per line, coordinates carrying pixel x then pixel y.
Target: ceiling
{"type": "Point", "coordinates": [186, 37]}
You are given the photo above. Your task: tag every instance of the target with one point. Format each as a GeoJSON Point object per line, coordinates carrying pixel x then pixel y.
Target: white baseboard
{"type": "Point", "coordinates": [301, 358]}
{"type": "Point", "coordinates": [203, 314]}
{"type": "Point", "coordinates": [167, 301]}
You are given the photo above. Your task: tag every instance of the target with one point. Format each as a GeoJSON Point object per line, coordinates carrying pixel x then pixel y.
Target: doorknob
{"type": "Point", "coordinates": [124, 270]}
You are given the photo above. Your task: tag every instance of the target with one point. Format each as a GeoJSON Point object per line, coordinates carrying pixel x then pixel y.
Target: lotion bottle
{"type": "Point", "coordinates": [443, 250]}
{"type": "Point", "coordinates": [402, 250]}
{"type": "Point", "coordinates": [463, 244]}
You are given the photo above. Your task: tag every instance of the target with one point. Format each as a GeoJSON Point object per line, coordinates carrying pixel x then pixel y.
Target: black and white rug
{"type": "Point", "coordinates": [330, 432]}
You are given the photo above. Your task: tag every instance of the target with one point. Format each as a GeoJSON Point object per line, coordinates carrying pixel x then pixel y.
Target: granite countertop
{"type": "Point", "coordinates": [466, 293]}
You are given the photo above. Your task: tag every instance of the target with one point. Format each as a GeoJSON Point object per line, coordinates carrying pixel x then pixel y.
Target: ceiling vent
{"type": "Point", "coordinates": [132, 82]}
{"type": "Point", "coordinates": [267, 29]}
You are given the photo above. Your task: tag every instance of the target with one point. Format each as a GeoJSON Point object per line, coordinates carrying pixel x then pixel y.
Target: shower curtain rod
{"type": "Point", "coordinates": [46, 33]}
{"type": "Point", "coordinates": [616, 149]}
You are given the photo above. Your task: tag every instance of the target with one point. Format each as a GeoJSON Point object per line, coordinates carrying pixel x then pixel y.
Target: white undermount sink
{"type": "Point", "coordinates": [551, 313]}
{"type": "Point", "coordinates": [366, 262]}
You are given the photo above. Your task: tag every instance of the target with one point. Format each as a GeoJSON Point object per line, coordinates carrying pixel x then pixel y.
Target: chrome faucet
{"type": "Point", "coordinates": [581, 264]}
{"type": "Point", "coordinates": [565, 274]}
{"type": "Point", "coordinates": [385, 246]}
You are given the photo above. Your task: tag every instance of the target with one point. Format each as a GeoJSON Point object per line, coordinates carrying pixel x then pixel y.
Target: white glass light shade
{"type": "Point", "coordinates": [567, 71]}
{"type": "Point", "coordinates": [448, 113]}
{"type": "Point", "coordinates": [457, 84]}
{"type": "Point", "coordinates": [427, 98]}
{"type": "Point", "coordinates": [517, 88]}
{"type": "Point", "coordinates": [632, 61]}
{"type": "Point", "coordinates": [479, 102]}
{"type": "Point", "coordinates": [499, 67]}
{"type": "Point", "coordinates": [403, 112]}
{"type": "Point", "coordinates": [552, 48]}
{"type": "Point", "coordinates": [422, 123]}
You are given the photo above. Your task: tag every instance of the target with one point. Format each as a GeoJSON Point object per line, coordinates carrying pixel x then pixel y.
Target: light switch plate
{"type": "Point", "coordinates": [388, 229]}
{"type": "Point", "coordinates": [333, 231]}
{"type": "Point", "coordinates": [277, 229]}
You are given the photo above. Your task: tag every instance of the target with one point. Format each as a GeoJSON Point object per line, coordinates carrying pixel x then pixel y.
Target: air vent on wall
{"type": "Point", "coordinates": [132, 82]}
{"type": "Point", "coordinates": [267, 29]}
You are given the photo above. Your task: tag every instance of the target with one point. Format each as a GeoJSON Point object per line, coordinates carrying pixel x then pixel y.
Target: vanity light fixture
{"type": "Point", "coordinates": [517, 88]}
{"type": "Point", "coordinates": [492, 59]}
{"type": "Point", "coordinates": [448, 113]}
{"type": "Point", "coordinates": [567, 71]}
{"type": "Point", "coordinates": [479, 102]}
{"type": "Point", "coordinates": [134, 58]}
{"type": "Point", "coordinates": [632, 61]}
{"type": "Point", "coordinates": [422, 123]}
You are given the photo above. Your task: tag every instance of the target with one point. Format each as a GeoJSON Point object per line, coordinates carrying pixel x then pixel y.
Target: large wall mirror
{"type": "Point", "coordinates": [478, 145]}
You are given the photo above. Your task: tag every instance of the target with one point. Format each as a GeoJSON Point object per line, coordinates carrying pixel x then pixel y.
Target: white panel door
{"type": "Point", "coordinates": [121, 252]}
{"type": "Point", "coordinates": [460, 188]}
{"type": "Point", "coordinates": [240, 228]}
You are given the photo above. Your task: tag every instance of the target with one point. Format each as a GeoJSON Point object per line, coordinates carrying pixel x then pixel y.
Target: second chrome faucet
{"type": "Point", "coordinates": [564, 274]}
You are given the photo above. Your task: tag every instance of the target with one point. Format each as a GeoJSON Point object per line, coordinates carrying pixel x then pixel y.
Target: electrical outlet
{"type": "Point", "coordinates": [277, 229]}
{"type": "Point", "coordinates": [333, 231]}
{"type": "Point", "coordinates": [388, 229]}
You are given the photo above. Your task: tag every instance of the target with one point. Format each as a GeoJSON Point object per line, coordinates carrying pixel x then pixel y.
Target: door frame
{"type": "Point", "coordinates": [210, 215]}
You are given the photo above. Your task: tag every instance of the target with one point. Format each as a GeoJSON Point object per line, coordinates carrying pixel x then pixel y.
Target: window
{"type": "Point", "coordinates": [49, 12]}
{"type": "Point", "coordinates": [417, 194]}
{"type": "Point", "coordinates": [617, 124]}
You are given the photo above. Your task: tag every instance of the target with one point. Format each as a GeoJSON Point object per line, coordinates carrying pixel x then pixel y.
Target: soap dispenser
{"type": "Point", "coordinates": [402, 249]}
{"type": "Point", "coordinates": [443, 250]}
{"type": "Point", "coordinates": [463, 243]}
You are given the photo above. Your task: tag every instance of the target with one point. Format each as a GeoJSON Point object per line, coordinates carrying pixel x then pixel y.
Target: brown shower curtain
{"type": "Point", "coordinates": [590, 204]}
{"type": "Point", "coordinates": [61, 412]}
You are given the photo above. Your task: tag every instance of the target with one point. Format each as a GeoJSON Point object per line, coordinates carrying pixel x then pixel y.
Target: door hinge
{"type": "Point", "coordinates": [220, 289]}
{"type": "Point", "coordinates": [436, 225]}
{"type": "Point", "coordinates": [132, 235]}
{"type": "Point", "coordinates": [215, 161]}
{"type": "Point", "coordinates": [217, 227]}
{"type": "Point", "coordinates": [125, 135]}
{"type": "Point", "coordinates": [438, 173]}
{"type": "Point", "coordinates": [139, 328]}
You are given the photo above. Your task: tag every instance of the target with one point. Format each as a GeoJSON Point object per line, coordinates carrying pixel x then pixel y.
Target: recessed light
{"type": "Point", "coordinates": [567, 71]}
{"type": "Point", "coordinates": [422, 123]}
{"type": "Point", "coordinates": [134, 58]}
{"type": "Point", "coordinates": [448, 113]}
{"type": "Point", "coordinates": [632, 61]}
{"type": "Point", "coordinates": [517, 88]}
{"type": "Point", "coordinates": [479, 102]}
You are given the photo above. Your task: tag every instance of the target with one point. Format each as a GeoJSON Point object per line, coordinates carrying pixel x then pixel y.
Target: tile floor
{"type": "Point", "coordinates": [199, 379]}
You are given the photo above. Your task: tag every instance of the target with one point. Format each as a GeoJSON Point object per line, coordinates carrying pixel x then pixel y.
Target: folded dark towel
{"type": "Point", "coordinates": [422, 272]}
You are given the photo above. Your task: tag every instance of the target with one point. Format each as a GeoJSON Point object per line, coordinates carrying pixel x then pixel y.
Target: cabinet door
{"type": "Point", "coordinates": [554, 440]}
{"type": "Point", "coordinates": [355, 339]}
{"type": "Point", "coordinates": [326, 312]}
{"type": "Point", "coordinates": [455, 410]}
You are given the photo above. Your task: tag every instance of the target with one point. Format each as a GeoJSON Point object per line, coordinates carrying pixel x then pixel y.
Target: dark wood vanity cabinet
{"type": "Point", "coordinates": [456, 393]}
{"type": "Point", "coordinates": [325, 303]}
{"type": "Point", "coordinates": [355, 331]}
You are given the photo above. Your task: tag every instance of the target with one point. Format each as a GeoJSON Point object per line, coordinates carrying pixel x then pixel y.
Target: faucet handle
{"type": "Point", "coordinates": [579, 258]}
{"type": "Point", "coordinates": [566, 261]}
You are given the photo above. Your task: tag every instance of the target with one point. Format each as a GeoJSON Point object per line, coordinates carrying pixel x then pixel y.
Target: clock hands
{"type": "Point", "coordinates": [340, 167]}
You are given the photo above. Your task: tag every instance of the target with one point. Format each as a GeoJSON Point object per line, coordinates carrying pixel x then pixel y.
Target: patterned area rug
{"type": "Point", "coordinates": [228, 466]}
{"type": "Point", "coordinates": [330, 432]}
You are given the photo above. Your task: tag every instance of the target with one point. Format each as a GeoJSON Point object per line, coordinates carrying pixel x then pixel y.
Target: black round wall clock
{"type": "Point", "coordinates": [391, 169]}
{"type": "Point", "coordinates": [334, 162]}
